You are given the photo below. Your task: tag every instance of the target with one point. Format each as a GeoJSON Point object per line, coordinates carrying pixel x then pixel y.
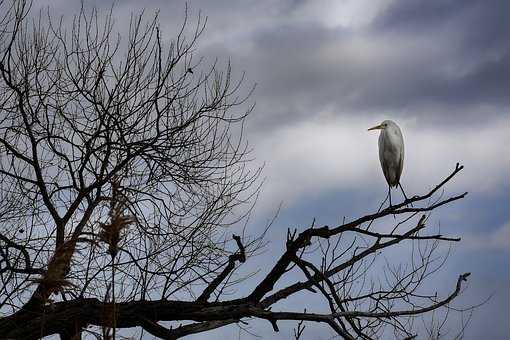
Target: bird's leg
{"type": "Point", "coordinates": [389, 194]}
{"type": "Point", "coordinates": [403, 192]}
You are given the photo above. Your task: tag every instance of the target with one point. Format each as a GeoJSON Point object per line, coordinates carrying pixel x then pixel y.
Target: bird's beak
{"type": "Point", "coordinates": [377, 127]}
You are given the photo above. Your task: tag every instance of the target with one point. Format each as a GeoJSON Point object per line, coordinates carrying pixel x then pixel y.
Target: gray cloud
{"type": "Point", "coordinates": [434, 59]}
{"type": "Point", "coordinates": [430, 59]}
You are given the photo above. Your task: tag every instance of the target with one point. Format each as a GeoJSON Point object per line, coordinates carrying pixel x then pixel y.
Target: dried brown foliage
{"type": "Point", "coordinates": [111, 232]}
{"type": "Point", "coordinates": [55, 279]}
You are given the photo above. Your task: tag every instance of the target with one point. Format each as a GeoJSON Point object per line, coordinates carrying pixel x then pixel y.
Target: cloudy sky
{"type": "Point", "coordinates": [327, 70]}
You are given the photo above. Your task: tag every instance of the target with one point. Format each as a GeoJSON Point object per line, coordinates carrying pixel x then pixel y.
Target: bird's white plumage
{"type": "Point", "coordinates": [391, 151]}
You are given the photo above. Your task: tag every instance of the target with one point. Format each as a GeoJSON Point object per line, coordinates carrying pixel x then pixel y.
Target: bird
{"type": "Point", "coordinates": [391, 154]}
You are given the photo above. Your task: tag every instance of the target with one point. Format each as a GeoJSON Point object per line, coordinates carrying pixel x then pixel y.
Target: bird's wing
{"type": "Point", "coordinates": [387, 157]}
{"type": "Point", "coordinates": [400, 159]}
{"type": "Point", "coordinates": [400, 167]}
{"type": "Point", "coordinates": [389, 164]}
{"type": "Point", "coordinates": [391, 155]}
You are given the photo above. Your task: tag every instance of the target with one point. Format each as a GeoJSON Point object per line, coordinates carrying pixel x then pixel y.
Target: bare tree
{"type": "Point", "coordinates": [122, 165]}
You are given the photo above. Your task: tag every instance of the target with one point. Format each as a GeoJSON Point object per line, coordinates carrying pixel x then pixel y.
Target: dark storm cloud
{"type": "Point", "coordinates": [478, 30]}
{"type": "Point", "coordinates": [480, 23]}
{"type": "Point", "coordinates": [416, 15]}
{"type": "Point", "coordinates": [423, 56]}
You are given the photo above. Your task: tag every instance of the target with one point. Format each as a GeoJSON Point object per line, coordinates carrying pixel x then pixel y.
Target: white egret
{"type": "Point", "coordinates": [391, 153]}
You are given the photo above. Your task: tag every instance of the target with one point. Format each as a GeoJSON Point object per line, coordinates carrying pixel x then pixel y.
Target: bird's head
{"type": "Point", "coordinates": [382, 126]}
